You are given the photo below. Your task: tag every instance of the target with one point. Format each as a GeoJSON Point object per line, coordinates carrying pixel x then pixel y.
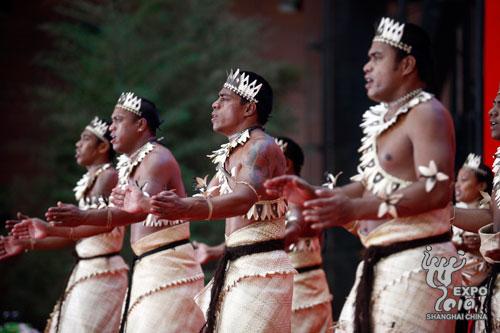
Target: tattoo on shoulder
{"type": "Point", "coordinates": [259, 162]}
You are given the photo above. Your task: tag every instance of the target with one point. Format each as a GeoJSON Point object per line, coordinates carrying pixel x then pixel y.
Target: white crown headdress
{"type": "Point", "coordinates": [473, 162]}
{"type": "Point", "coordinates": [281, 143]}
{"type": "Point", "coordinates": [391, 32]}
{"type": "Point", "coordinates": [99, 128]}
{"type": "Point", "coordinates": [240, 85]}
{"type": "Point", "coordinates": [130, 102]}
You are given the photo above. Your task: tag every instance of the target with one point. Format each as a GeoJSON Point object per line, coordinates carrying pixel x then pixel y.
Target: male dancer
{"type": "Point", "coordinates": [399, 203]}
{"type": "Point", "coordinates": [96, 288]}
{"type": "Point", "coordinates": [166, 275]}
{"type": "Point", "coordinates": [252, 287]}
{"type": "Point", "coordinates": [311, 303]}
{"type": "Point", "coordinates": [311, 306]}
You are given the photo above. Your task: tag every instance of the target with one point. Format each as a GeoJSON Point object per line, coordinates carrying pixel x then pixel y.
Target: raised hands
{"type": "Point", "coordinates": [66, 215]}
{"type": "Point", "coordinates": [130, 198]}
{"type": "Point", "coordinates": [297, 227]}
{"type": "Point", "coordinates": [32, 228]}
{"type": "Point", "coordinates": [168, 205]}
{"type": "Point", "coordinates": [295, 189]}
{"type": "Point", "coordinates": [332, 208]}
{"type": "Point", "coordinates": [322, 207]}
{"type": "Point", "coordinates": [9, 224]}
{"type": "Point", "coordinates": [10, 247]}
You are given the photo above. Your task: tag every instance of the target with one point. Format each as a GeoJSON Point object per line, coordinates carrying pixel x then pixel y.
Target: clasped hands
{"type": "Point", "coordinates": [322, 207]}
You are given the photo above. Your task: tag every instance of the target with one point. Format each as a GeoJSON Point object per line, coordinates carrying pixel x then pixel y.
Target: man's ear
{"type": "Point", "coordinates": [483, 186]}
{"type": "Point", "coordinates": [290, 170]}
{"type": "Point", "coordinates": [408, 64]}
{"type": "Point", "coordinates": [142, 124]}
{"type": "Point", "coordinates": [103, 147]}
{"type": "Point", "coordinates": [251, 109]}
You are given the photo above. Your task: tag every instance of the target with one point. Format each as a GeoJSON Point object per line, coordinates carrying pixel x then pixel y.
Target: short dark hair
{"type": "Point", "coordinates": [151, 114]}
{"type": "Point", "coordinates": [421, 49]}
{"type": "Point", "coordinates": [294, 153]}
{"type": "Point", "coordinates": [107, 136]}
{"type": "Point", "coordinates": [264, 97]}
{"type": "Point", "coordinates": [485, 175]}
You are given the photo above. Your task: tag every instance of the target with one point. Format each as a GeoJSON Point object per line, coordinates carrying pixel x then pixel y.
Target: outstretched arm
{"type": "Point", "coordinates": [67, 215]}
{"type": "Point", "coordinates": [247, 185]}
{"type": "Point", "coordinates": [471, 219]}
{"type": "Point", "coordinates": [33, 234]}
{"type": "Point", "coordinates": [11, 247]}
{"type": "Point", "coordinates": [352, 190]}
{"type": "Point", "coordinates": [39, 229]}
{"type": "Point", "coordinates": [295, 189]}
{"type": "Point", "coordinates": [169, 205]}
{"type": "Point", "coordinates": [157, 172]}
{"type": "Point", "coordinates": [30, 243]}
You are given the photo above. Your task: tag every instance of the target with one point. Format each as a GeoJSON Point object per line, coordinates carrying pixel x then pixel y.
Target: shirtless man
{"type": "Point", "coordinates": [166, 275]}
{"type": "Point", "coordinates": [399, 203]}
{"type": "Point", "coordinates": [96, 288]}
{"type": "Point", "coordinates": [311, 304]}
{"type": "Point", "coordinates": [254, 294]}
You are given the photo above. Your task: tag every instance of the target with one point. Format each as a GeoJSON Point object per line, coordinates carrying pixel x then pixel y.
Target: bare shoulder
{"type": "Point", "coordinates": [265, 155]}
{"type": "Point", "coordinates": [159, 158]}
{"type": "Point", "coordinates": [430, 116]}
{"type": "Point", "coordinates": [106, 181]}
{"type": "Point", "coordinates": [108, 176]}
{"type": "Point", "coordinates": [159, 170]}
{"type": "Point", "coordinates": [429, 113]}
{"type": "Point", "coordinates": [263, 146]}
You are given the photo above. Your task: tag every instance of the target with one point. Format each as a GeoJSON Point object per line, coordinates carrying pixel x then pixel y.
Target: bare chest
{"type": "Point", "coordinates": [234, 163]}
{"type": "Point", "coordinates": [139, 177]}
{"type": "Point", "coordinates": [395, 152]}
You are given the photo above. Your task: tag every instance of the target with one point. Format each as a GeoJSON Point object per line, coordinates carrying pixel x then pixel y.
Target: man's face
{"type": "Point", "coordinates": [382, 73]}
{"type": "Point", "coordinates": [123, 130]}
{"type": "Point", "coordinates": [467, 187]}
{"type": "Point", "coordinates": [86, 149]}
{"type": "Point", "coordinates": [495, 118]}
{"type": "Point", "coordinates": [227, 112]}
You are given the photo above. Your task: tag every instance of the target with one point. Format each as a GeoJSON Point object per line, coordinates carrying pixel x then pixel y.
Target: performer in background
{"type": "Point", "coordinates": [95, 291]}
{"type": "Point", "coordinates": [312, 301]}
{"type": "Point", "coordinates": [472, 190]}
{"type": "Point", "coordinates": [399, 203]}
